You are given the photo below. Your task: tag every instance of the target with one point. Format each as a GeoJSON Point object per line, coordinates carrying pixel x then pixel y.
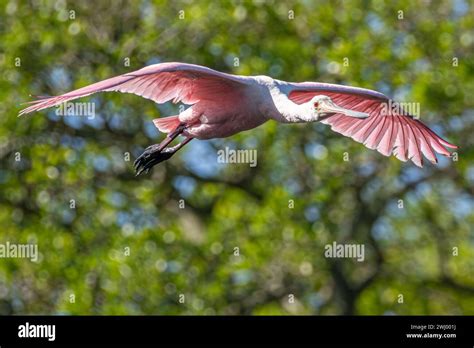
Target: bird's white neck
{"type": "Point", "coordinates": [288, 111]}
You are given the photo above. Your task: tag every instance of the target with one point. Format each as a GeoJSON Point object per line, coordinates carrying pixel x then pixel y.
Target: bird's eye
{"type": "Point", "coordinates": [316, 104]}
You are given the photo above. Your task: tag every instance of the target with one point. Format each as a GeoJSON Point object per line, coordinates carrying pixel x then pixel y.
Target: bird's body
{"type": "Point", "coordinates": [220, 118]}
{"type": "Point", "coordinates": [223, 104]}
{"type": "Point", "coordinates": [228, 114]}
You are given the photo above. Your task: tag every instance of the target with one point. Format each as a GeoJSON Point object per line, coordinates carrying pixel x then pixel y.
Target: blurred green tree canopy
{"type": "Point", "coordinates": [234, 239]}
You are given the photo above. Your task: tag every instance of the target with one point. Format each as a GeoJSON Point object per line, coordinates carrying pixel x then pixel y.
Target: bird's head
{"type": "Point", "coordinates": [323, 106]}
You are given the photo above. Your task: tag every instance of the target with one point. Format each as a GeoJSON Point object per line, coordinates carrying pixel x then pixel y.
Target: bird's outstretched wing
{"type": "Point", "coordinates": [393, 132]}
{"type": "Point", "coordinates": [178, 82]}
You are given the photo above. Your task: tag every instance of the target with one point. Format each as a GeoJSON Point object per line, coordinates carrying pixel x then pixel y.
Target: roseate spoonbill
{"type": "Point", "coordinates": [224, 104]}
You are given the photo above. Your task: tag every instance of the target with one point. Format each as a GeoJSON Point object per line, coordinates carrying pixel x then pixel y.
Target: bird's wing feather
{"type": "Point", "coordinates": [178, 82]}
{"type": "Point", "coordinates": [394, 133]}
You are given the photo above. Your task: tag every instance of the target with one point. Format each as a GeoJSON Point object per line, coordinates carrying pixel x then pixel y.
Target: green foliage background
{"type": "Point", "coordinates": [173, 251]}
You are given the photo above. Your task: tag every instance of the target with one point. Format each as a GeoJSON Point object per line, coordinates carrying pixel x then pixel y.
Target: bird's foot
{"type": "Point", "coordinates": [150, 157]}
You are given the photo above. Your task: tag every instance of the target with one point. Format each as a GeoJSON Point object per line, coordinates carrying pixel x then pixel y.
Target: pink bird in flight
{"type": "Point", "coordinates": [224, 104]}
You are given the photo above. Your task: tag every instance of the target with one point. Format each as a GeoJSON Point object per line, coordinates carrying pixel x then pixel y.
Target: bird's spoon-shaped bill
{"type": "Point", "coordinates": [330, 107]}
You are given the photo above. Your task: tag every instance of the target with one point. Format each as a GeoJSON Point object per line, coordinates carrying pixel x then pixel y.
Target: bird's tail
{"type": "Point", "coordinates": [167, 124]}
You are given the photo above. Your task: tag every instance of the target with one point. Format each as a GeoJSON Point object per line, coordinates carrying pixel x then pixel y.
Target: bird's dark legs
{"type": "Point", "coordinates": [170, 137]}
{"type": "Point", "coordinates": [157, 153]}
